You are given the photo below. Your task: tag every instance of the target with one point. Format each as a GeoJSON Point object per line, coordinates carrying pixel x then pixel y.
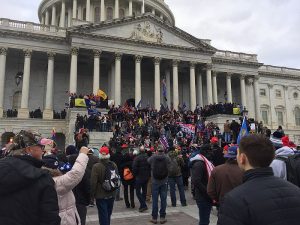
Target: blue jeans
{"type": "Point", "coordinates": [227, 137]}
{"type": "Point", "coordinates": [204, 207]}
{"type": "Point", "coordinates": [172, 182]}
{"type": "Point", "coordinates": [141, 192]}
{"type": "Point", "coordinates": [105, 208]}
{"type": "Point", "coordinates": [162, 191]}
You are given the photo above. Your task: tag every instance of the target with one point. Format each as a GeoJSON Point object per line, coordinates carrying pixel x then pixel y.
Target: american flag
{"type": "Point", "coordinates": [164, 142]}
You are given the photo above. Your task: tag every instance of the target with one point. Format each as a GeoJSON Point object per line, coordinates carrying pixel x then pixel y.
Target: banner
{"type": "Point", "coordinates": [80, 102]}
{"type": "Point", "coordinates": [102, 94]}
{"type": "Point", "coordinates": [187, 128]}
{"type": "Point", "coordinates": [236, 111]}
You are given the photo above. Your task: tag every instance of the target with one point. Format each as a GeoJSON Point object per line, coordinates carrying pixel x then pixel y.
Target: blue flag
{"type": "Point", "coordinates": [243, 132]}
{"type": "Point", "coordinates": [139, 105]}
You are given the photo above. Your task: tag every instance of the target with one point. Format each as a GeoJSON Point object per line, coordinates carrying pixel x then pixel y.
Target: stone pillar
{"type": "Point", "coordinates": [168, 85]}
{"type": "Point", "coordinates": [112, 74]}
{"type": "Point", "coordinates": [288, 110]}
{"type": "Point", "coordinates": [256, 98]}
{"type": "Point", "coordinates": [96, 81]}
{"type": "Point", "coordinates": [53, 18]}
{"type": "Point", "coordinates": [74, 15]}
{"type": "Point", "coordinates": [208, 84]}
{"type": "Point", "coordinates": [199, 89]}
{"type": "Point", "coordinates": [73, 70]}
{"type": "Point", "coordinates": [62, 14]}
{"type": "Point", "coordinates": [69, 17]}
{"type": "Point", "coordinates": [175, 85]}
{"type": "Point", "coordinates": [102, 14]}
{"type": "Point", "coordinates": [48, 111]}
{"type": "Point", "coordinates": [116, 16]}
{"type": "Point", "coordinates": [138, 88]}
{"type": "Point", "coordinates": [3, 53]}
{"type": "Point", "coordinates": [192, 86]}
{"type": "Point", "coordinates": [88, 10]}
{"type": "Point", "coordinates": [130, 8]}
{"type": "Point", "coordinates": [272, 109]}
{"type": "Point", "coordinates": [24, 111]}
{"type": "Point", "coordinates": [215, 87]}
{"type": "Point", "coordinates": [47, 18]}
{"type": "Point", "coordinates": [143, 8]}
{"type": "Point", "coordinates": [153, 11]}
{"type": "Point", "coordinates": [43, 20]}
{"type": "Point", "coordinates": [118, 58]}
{"type": "Point", "coordinates": [157, 83]}
{"type": "Point", "coordinates": [243, 91]}
{"type": "Point", "coordinates": [228, 87]}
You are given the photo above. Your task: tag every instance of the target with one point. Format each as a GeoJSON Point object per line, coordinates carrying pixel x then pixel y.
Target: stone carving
{"type": "Point", "coordinates": [157, 60]}
{"type": "Point", "coordinates": [147, 32]}
{"type": "Point", "coordinates": [97, 53]}
{"type": "Point", "coordinates": [51, 55]}
{"type": "Point", "coordinates": [138, 58]}
{"type": "Point", "coordinates": [3, 51]}
{"type": "Point", "coordinates": [74, 51]}
{"type": "Point", "coordinates": [27, 52]}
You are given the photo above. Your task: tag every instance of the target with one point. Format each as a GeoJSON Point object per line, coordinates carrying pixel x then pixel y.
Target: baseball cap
{"type": "Point", "coordinates": [214, 140]}
{"type": "Point", "coordinates": [26, 139]}
{"type": "Point", "coordinates": [104, 150]}
{"type": "Point", "coordinates": [232, 152]}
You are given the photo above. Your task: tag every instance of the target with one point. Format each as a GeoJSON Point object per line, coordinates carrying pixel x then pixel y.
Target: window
{"type": "Point", "coordinates": [122, 13]}
{"type": "Point", "coordinates": [262, 92]}
{"type": "Point", "coordinates": [280, 118]}
{"type": "Point", "coordinates": [295, 95]}
{"type": "Point", "coordinates": [297, 116]}
{"type": "Point", "coordinates": [109, 13]}
{"type": "Point", "coordinates": [97, 15]}
{"type": "Point", "coordinates": [264, 114]}
{"type": "Point", "coordinates": [278, 93]}
{"type": "Point", "coordinates": [84, 14]}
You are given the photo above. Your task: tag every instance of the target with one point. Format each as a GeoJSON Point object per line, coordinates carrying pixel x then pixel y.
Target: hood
{"type": "Point", "coordinates": [18, 172]}
{"type": "Point", "coordinates": [284, 151]}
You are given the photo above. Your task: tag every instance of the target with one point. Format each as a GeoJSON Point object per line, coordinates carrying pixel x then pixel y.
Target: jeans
{"type": "Point", "coordinates": [105, 208]}
{"type": "Point", "coordinates": [162, 191]}
{"type": "Point", "coordinates": [227, 137]}
{"type": "Point", "coordinates": [82, 213]}
{"type": "Point", "coordinates": [204, 207]}
{"type": "Point", "coordinates": [172, 182]}
{"type": "Point", "coordinates": [141, 192]}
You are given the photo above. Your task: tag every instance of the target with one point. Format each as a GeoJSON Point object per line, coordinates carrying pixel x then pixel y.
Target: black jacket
{"type": "Point", "coordinates": [141, 168]}
{"type": "Point", "coordinates": [262, 199]}
{"type": "Point", "coordinates": [27, 193]}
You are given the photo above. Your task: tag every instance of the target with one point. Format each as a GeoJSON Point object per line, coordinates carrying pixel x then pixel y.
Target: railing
{"type": "Point", "coordinates": [236, 55]}
{"type": "Point", "coordinates": [269, 68]}
{"type": "Point", "coordinates": [32, 27]}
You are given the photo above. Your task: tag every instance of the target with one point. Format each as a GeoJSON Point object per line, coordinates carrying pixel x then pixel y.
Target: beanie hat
{"type": "Point", "coordinates": [104, 153]}
{"type": "Point", "coordinates": [71, 150]}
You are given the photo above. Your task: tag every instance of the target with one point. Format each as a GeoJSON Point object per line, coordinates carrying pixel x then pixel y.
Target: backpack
{"type": "Point", "coordinates": [127, 174]}
{"type": "Point", "coordinates": [112, 180]}
{"type": "Point", "coordinates": [292, 168]}
{"type": "Point", "coordinates": [160, 168]}
{"type": "Point", "coordinates": [173, 168]}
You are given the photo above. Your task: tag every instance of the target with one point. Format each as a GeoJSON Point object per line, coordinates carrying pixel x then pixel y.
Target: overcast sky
{"type": "Point", "coordinates": [269, 28]}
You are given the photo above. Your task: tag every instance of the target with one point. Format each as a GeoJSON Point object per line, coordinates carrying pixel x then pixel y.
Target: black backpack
{"type": "Point", "coordinates": [160, 168]}
{"type": "Point", "coordinates": [173, 168]}
{"type": "Point", "coordinates": [112, 180]}
{"type": "Point", "coordinates": [292, 168]}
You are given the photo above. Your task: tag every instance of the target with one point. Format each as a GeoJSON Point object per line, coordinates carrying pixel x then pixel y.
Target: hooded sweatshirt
{"type": "Point", "coordinates": [278, 165]}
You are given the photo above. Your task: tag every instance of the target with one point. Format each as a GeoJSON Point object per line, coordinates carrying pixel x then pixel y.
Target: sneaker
{"type": "Point", "coordinates": [153, 221]}
{"type": "Point", "coordinates": [163, 220]}
{"type": "Point", "coordinates": [143, 209]}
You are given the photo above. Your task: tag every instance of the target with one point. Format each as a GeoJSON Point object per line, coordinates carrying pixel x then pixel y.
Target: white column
{"type": "Point", "coordinates": [48, 111]}
{"type": "Point", "coordinates": [138, 88]}
{"type": "Point", "coordinates": [73, 70]}
{"type": "Point", "coordinates": [74, 15]}
{"type": "Point", "coordinates": [256, 98]}
{"type": "Point", "coordinates": [157, 83]}
{"type": "Point", "coordinates": [69, 17]}
{"type": "Point", "coordinates": [88, 10]}
{"type": "Point", "coordinates": [79, 15]}
{"type": "Point", "coordinates": [192, 86]}
{"type": "Point", "coordinates": [118, 79]}
{"type": "Point", "coordinates": [153, 11]}
{"type": "Point", "coordinates": [47, 18]}
{"type": "Point", "coordinates": [96, 82]}
{"type": "Point", "coordinates": [116, 16]}
{"type": "Point", "coordinates": [228, 87]}
{"type": "Point", "coordinates": [112, 73]}
{"type": "Point", "coordinates": [62, 14]}
{"type": "Point", "coordinates": [175, 85]}
{"type": "Point", "coordinates": [3, 53]}
{"type": "Point", "coordinates": [215, 87]}
{"type": "Point", "coordinates": [43, 20]}
{"type": "Point", "coordinates": [199, 89]}
{"type": "Point", "coordinates": [272, 109]}
{"type": "Point", "coordinates": [53, 18]}
{"type": "Point", "coordinates": [288, 111]}
{"type": "Point", "coordinates": [130, 8]}
{"type": "Point", "coordinates": [243, 91]}
{"type": "Point", "coordinates": [208, 84]}
{"type": "Point", "coordinates": [168, 84]}
{"type": "Point", "coordinates": [23, 111]}
{"type": "Point", "coordinates": [102, 15]}
{"type": "Point", "coordinates": [143, 8]}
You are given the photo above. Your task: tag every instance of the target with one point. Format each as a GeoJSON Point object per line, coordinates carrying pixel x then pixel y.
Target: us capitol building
{"type": "Point", "coordinates": [126, 48]}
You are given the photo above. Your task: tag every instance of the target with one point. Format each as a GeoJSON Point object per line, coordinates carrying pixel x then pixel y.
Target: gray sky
{"type": "Point", "coordinates": [269, 28]}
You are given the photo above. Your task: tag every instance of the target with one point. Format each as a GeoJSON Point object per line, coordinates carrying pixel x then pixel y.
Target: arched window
{"type": "Point", "coordinates": [297, 116]}
{"type": "Point", "coordinates": [84, 14]}
{"type": "Point", "coordinates": [122, 13]}
{"type": "Point", "coordinates": [97, 15]}
{"type": "Point", "coordinates": [109, 13]}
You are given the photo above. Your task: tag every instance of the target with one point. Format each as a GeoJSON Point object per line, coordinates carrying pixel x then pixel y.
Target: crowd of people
{"type": "Point", "coordinates": [37, 113]}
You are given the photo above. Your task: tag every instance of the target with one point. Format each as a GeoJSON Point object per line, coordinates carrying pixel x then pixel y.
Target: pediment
{"type": "Point", "coordinates": [146, 29]}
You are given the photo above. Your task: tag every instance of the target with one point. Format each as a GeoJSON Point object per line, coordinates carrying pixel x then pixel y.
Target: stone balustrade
{"type": "Point", "coordinates": [236, 55]}
{"type": "Point", "coordinates": [276, 69]}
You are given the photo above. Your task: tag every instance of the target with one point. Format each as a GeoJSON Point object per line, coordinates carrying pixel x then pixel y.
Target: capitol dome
{"type": "Point", "coordinates": [77, 12]}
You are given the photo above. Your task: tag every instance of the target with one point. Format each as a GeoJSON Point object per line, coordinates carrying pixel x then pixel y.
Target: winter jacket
{"type": "Point", "coordinates": [151, 161]}
{"type": "Point", "coordinates": [174, 156]}
{"type": "Point", "coordinates": [262, 199]}
{"type": "Point", "coordinates": [127, 161]}
{"type": "Point", "coordinates": [64, 185]}
{"type": "Point", "coordinates": [217, 157]}
{"type": "Point", "coordinates": [278, 165]}
{"type": "Point", "coordinates": [27, 193]}
{"type": "Point", "coordinates": [141, 168]}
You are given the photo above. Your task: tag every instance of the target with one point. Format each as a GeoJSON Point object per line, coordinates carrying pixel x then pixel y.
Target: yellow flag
{"type": "Point", "coordinates": [80, 102]}
{"type": "Point", "coordinates": [102, 94]}
{"type": "Point", "coordinates": [236, 111]}
{"type": "Point", "coordinates": [140, 121]}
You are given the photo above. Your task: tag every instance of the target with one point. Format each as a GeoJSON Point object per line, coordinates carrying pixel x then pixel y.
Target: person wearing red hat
{"type": "Point", "coordinates": [216, 152]}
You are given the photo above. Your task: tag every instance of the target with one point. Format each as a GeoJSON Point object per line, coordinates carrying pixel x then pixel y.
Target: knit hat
{"type": "Point", "coordinates": [71, 150]}
{"type": "Point", "coordinates": [285, 141]}
{"type": "Point", "coordinates": [104, 153]}
{"type": "Point", "coordinates": [232, 152]}
{"type": "Point", "coordinates": [51, 161]}
{"type": "Point", "coordinates": [214, 140]}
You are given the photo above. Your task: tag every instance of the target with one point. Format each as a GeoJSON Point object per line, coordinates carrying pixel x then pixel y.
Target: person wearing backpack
{"type": "Point", "coordinates": [159, 171]}
{"type": "Point", "coordinates": [105, 180]}
{"type": "Point", "coordinates": [175, 177]}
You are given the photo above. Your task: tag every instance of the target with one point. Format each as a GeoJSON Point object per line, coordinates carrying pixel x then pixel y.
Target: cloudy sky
{"type": "Point", "coordinates": [269, 28]}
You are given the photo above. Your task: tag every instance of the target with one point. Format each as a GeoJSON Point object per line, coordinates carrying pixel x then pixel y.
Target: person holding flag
{"type": "Point", "coordinates": [243, 131]}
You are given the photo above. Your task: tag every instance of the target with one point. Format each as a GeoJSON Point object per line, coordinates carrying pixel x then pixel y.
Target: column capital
{"type": "Point", "coordinates": [157, 60]}
{"type": "Point", "coordinates": [118, 55]}
{"type": "Point", "coordinates": [27, 52]}
{"type": "Point", "coordinates": [208, 66]}
{"type": "Point", "coordinates": [193, 64]}
{"type": "Point", "coordinates": [97, 53]}
{"type": "Point", "coordinates": [242, 76]}
{"type": "Point", "coordinates": [175, 62]}
{"type": "Point", "coordinates": [285, 87]}
{"type": "Point", "coordinates": [214, 73]}
{"type": "Point", "coordinates": [256, 78]}
{"type": "Point", "coordinates": [51, 55]}
{"type": "Point", "coordinates": [3, 50]}
{"type": "Point", "coordinates": [138, 58]}
{"type": "Point", "coordinates": [229, 75]}
{"type": "Point", "coordinates": [250, 81]}
{"type": "Point", "coordinates": [74, 51]}
{"type": "Point", "coordinates": [270, 86]}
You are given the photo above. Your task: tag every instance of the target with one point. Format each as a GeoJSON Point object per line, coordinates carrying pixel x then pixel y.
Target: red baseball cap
{"type": "Point", "coordinates": [214, 140]}
{"type": "Point", "coordinates": [104, 150]}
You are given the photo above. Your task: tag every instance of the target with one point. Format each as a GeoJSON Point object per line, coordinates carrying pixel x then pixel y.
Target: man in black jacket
{"type": "Point", "coordinates": [262, 199]}
{"type": "Point", "coordinates": [27, 192]}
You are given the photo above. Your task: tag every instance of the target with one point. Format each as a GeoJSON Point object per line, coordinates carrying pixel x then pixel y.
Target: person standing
{"type": "Point", "coordinates": [227, 132]}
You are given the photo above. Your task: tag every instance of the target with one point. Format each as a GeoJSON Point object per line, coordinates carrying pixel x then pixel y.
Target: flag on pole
{"type": "Point", "coordinates": [102, 94]}
{"type": "Point", "coordinates": [139, 105]}
{"type": "Point", "coordinates": [164, 142]}
{"type": "Point", "coordinates": [164, 91]}
{"type": "Point", "coordinates": [243, 131]}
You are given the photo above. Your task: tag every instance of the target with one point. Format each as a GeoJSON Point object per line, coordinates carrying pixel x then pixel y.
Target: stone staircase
{"type": "Point", "coordinates": [97, 139]}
